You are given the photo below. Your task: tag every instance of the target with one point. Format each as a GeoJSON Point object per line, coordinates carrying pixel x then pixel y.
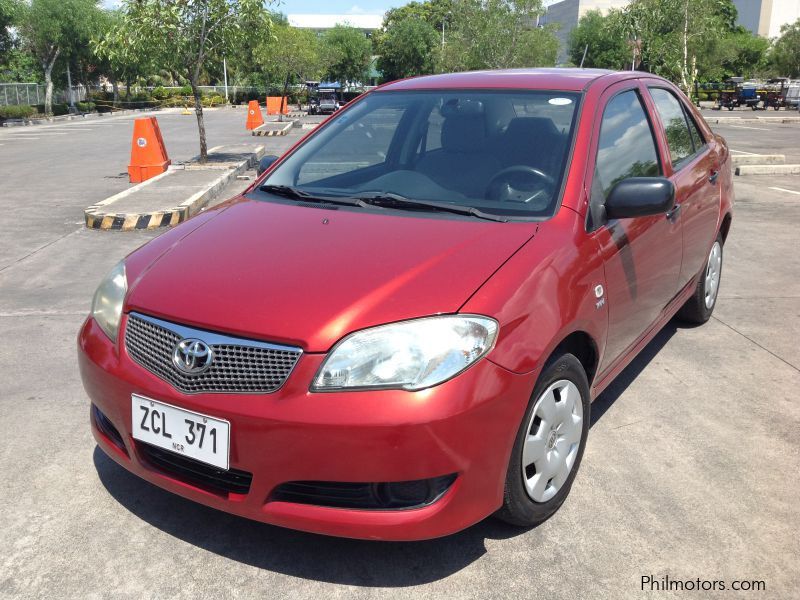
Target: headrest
{"type": "Point", "coordinates": [531, 127]}
{"type": "Point", "coordinates": [463, 133]}
{"type": "Point", "coordinates": [461, 107]}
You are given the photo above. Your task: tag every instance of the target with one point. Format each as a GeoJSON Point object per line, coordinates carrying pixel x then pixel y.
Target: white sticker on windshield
{"type": "Point", "coordinates": [560, 101]}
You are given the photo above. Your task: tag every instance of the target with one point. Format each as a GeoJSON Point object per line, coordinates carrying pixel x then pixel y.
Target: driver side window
{"type": "Point", "coordinates": [626, 148]}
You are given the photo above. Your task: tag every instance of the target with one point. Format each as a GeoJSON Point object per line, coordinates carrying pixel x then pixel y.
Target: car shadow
{"type": "Point", "coordinates": [322, 558]}
{"type": "Point", "coordinates": [606, 400]}
{"type": "Point", "coordinates": [295, 553]}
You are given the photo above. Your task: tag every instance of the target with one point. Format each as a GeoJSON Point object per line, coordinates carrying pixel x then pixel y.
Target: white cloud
{"type": "Point", "coordinates": [356, 10]}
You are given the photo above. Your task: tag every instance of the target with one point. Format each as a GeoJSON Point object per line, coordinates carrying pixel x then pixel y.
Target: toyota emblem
{"type": "Point", "coordinates": [192, 356]}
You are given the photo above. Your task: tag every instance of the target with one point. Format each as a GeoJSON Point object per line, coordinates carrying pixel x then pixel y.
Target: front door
{"type": "Point", "coordinates": [695, 167]}
{"type": "Point", "coordinates": [642, 256]}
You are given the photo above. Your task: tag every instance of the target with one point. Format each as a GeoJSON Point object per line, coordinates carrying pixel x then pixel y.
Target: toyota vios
{"type": "Point", "coordinates": [398, 330]}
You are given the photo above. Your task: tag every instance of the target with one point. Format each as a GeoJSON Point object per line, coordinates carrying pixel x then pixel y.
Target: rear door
{"type": "Point", "coordinates": [642, 256]}
{"type": "Point", "coordinates": [693, 166]}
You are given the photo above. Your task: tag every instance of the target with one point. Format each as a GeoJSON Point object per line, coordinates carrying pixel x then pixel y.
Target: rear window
{"type": "Point", "coordinates": [502, 152]}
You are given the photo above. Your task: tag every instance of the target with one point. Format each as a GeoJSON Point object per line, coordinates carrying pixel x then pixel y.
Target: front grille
{"type": "Point", "coordinates": [194, 472]}
{"type": "Point", "coordinates": [396, 495]}
{"type": "Point", "coordinates": [238, 366]}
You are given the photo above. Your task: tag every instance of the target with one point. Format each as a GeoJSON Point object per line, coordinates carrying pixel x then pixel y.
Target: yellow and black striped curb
{"type": "Point", "coordinates": [99, 216]}
{"type": "Point", "coordinates": [263, 131]}
{"type": "Point", "coordinates": [129, 221]}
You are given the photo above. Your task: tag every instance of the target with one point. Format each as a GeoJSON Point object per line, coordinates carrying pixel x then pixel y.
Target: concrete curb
{"type": "Point", "coordinates": [98, 216]}
{"type": "Point", "coordinates": [262, 131]}
{"type": "Point", "coordinates": [81, 117]}
{"type": "Point", "coordinates": [768, 170]}
{"type": "Point", "coordinates": [751, 120]}
{"type": "Point", "coordinates": [758, 159]}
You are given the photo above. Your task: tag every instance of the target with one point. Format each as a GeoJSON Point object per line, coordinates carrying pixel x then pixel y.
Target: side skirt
{"type": "Point", "coordinates": [605, 379]}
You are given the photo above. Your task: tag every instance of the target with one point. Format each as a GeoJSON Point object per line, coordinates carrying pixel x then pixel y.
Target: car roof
{"type": "Point", "coordinates": [566, 79]}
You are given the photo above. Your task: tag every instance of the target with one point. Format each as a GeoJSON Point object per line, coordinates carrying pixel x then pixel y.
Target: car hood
{"type": "Point", "coordinates": [308, 276]}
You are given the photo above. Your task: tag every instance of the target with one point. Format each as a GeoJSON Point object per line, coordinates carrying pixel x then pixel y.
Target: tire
{"type": "Point", "coordinates": [565, 376]}
{"type": "Point", "coordinates": [700, 305]}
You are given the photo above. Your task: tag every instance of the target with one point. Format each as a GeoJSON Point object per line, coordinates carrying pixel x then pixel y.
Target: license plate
{"type": "Point", "coordinates": [198, 436]}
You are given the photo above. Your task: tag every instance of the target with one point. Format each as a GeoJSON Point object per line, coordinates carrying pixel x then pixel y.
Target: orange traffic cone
{"type": "Point", "coordinates": [148, 154]}
{"type": "Point", "coordinates": [276, 105]}
{"type": "Point", "coordinates": [254, 118]}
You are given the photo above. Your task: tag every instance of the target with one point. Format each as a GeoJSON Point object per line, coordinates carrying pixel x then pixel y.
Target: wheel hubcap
{"type": "Point", "coordinates": [713, 271]}
{"type": "Point", "coordinates": [552, 441]}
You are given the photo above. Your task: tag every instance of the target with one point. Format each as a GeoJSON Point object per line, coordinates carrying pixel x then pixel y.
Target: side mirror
{"type": "Point", "coordinates": [640, 197]}
{"type": "Point", "coordinates": [265, 163]}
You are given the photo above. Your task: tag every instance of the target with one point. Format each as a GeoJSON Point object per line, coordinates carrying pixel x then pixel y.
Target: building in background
{"type": "Point", "coordinates": [566, 14]}
{"type": "Point", "coordinates": [765, 17]}
{"type": "Point", "coordinates": [321, 23]}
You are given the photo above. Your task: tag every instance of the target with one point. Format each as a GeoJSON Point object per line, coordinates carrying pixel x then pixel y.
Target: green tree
{"type": "Point", "coordinates": [8, 13]}
{"type": "Point", "coordinates": [739, 53]}
{"type": "Point", "coordinates": [498, 34]}
{"type": "Point", "coordinates": [602, 37]}
{"type": "Point", "coordinates": [50, 28]}
{"type": "Point", "coordinates": [434, 12]}
{"type": "Point", "coordinates": [348, 52]}
{"type": "Point", "coordinates": [673, 35]}
{"type": "Point", "coordinates": [288, 54]}
{"type": "Point", "coordinates": [406, 49]}
{"type": "Point", "coordinates": [182, 36]}
{"type": "Point", "coordinates": [116, 57]}
{"type": "Point", "coordinates": [785, 54]}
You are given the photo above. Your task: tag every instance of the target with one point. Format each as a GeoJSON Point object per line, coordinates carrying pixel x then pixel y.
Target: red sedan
{"type": "Point", "coordinates": [399, 329]}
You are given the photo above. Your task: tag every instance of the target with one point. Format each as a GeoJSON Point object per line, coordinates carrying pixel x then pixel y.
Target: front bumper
{"type": "Point", "coordinates": [465, 426]}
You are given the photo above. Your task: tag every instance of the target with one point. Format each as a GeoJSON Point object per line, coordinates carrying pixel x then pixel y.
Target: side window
{"type": "Point", "coordinates": [697, 136]}
{"type": "Point", "coordinates": [679, 139]}
{"type": "Point", "coordinates": [626, 149]}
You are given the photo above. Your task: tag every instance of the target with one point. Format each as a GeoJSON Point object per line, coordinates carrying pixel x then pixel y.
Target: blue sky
{"type": "Point", "coordinates": [324, 6]}
{"type": "Point", "coordinates": [375, 7]}
{"type": "Point", "coordinates": [335, 6]}
{"type": "Point", "coordinates": [342, 6]}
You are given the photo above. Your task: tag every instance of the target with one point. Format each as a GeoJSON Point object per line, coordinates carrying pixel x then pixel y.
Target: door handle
{"type": "Point", "coordinates": [673, 214]}
{"type": "Point", "coordinates": [713, 177]}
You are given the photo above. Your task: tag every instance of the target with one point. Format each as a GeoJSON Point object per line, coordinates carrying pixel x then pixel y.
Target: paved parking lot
{"type": "Point", "coordinates": [690, 469]}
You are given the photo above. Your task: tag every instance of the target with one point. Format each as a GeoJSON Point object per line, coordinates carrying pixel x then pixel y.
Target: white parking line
{"type": "Point", "coordinates": [743, 152]}
{"type": "Point", "coordinates": [743, 127]}
{"type": "Point", "coordinates": [785, 190]}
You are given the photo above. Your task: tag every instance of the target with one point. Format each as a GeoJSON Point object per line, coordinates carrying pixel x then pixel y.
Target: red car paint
{"type": "Point", "coordinates": [307, 277]}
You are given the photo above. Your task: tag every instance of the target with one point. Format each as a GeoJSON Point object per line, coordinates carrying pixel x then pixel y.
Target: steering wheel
{"type": "Point", "coordinates": [520, 183]}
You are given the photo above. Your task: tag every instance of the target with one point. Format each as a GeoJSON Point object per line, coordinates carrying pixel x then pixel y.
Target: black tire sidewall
{"type": "Point", "coordinates": [695, 309]}
{"type": "Point", "coordinates": [518, 507]}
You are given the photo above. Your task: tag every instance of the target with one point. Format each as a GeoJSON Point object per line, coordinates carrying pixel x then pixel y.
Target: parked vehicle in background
{"type": "Point", "coordinates": [323, 98]}
{"type": "Point", "coordinates": [792, 99]}
{"type": "Point", "coordinates": [404, 321]}
{"type": "Point", "coordinates": [775, 93]}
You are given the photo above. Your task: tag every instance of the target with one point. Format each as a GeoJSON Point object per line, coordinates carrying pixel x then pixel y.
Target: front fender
{"type": "Point", "coordinates": [545, 292]}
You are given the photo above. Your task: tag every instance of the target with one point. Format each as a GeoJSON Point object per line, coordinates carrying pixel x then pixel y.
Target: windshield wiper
{"type": "Point", "coordinates": [389, 199]}
{"type": "Point", "coordinates": [295, 193]}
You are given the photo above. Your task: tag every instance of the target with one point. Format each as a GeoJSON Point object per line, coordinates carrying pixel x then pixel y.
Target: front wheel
{"type": "Point", "coordinates": [699, 307]}
{"type": "Point", "coordinates": [549, 444]}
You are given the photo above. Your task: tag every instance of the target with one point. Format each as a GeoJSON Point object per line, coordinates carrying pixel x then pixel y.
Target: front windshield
{"type": "Point", "coordinates": [502, 152]}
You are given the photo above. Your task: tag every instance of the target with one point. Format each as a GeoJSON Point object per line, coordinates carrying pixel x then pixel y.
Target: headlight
{"type": "Point", "coordinates": [410, 355]}
{"type": "Point", "coordinates": [108, 299]}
